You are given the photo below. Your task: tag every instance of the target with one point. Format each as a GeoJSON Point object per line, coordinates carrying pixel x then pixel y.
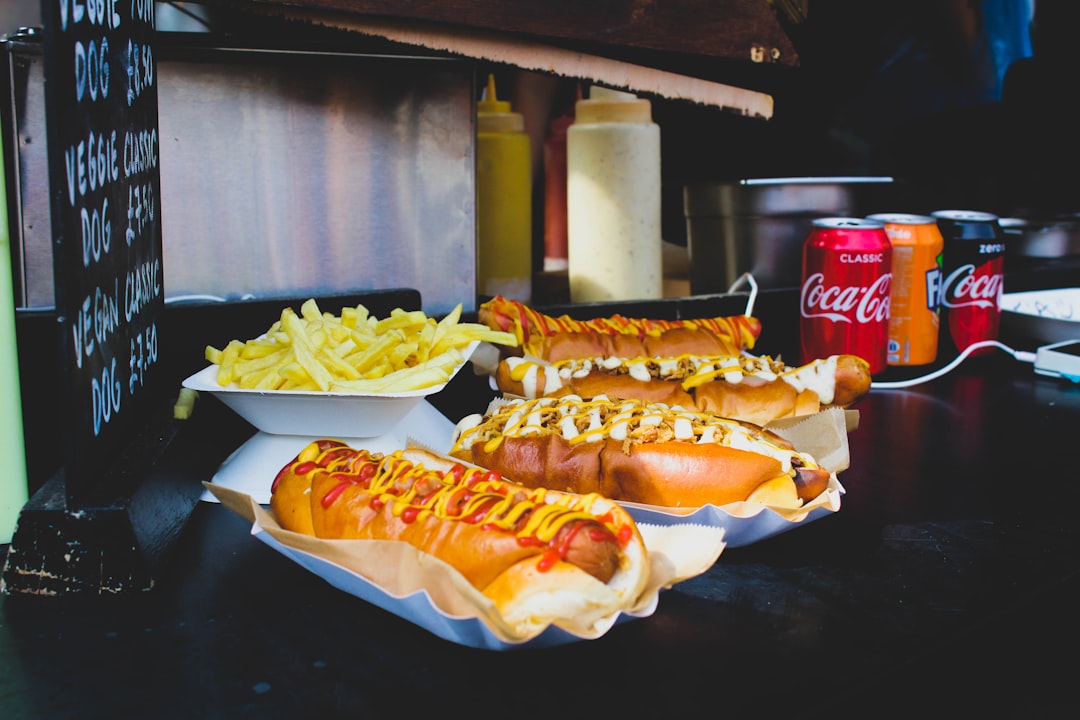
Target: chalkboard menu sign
{"type": "Point", "coordinates": [102, 125]}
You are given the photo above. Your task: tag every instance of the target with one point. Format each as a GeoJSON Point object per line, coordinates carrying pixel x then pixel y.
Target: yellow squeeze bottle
{"type": "Point", "coordinates": [503, 200]}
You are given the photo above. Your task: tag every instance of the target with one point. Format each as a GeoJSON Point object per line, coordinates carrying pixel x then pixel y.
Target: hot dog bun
{"type": "Point", "coordinates": [756, 389]}
{"type": "Point", "coordinates": [540, 556]}
{"type": "Point", "coordinates": [559, 338]}
{"type": "Point", "coordinates": [633, 451]}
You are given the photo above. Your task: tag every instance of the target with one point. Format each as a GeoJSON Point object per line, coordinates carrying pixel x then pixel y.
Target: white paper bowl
{"type": "Point", "coordinates": [744, 523]}
{"type": "Point", "coordinates": [322, 414]}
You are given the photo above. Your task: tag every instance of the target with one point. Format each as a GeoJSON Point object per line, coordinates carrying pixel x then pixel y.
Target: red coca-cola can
{"type": "Point", "coordinates": [972, 279]}
{"type": "Point", "coordinates": [846, 279]}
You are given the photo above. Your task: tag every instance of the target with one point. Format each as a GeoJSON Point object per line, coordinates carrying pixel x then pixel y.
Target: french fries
{"type": "Point", "coordinates": [351, 352]}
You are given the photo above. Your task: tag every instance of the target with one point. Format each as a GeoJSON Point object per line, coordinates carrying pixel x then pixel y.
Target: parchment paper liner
{"type": "Point", "coordinates": [432, 594]}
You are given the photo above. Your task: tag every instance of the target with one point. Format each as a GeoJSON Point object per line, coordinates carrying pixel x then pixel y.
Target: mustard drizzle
{"type": "Point", "coordinates": [739, 328]}
{"type": "Point", "coordinates": [489, 502]}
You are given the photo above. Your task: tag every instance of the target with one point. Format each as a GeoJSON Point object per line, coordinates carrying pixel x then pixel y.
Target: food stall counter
{"type": "Point", "coordinates": [947, 582]}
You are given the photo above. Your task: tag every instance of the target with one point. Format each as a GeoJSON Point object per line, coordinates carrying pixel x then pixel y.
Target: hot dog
{"type": "Point", "coordinates": [539, 555]}
{"type": "Point", "coordinates": [559, 338]}
{"type": "Point", "coordinates": [634, 451]}
{"type": "Point", "coordinates": [756, 389]}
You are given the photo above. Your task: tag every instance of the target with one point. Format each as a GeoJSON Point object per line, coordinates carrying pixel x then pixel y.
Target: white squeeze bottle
{"type": "Point", "coordinates": [615, 250]}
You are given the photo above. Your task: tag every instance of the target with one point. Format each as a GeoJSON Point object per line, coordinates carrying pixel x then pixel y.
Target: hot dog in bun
{"type": "Point", "coordinates": [539, 555]}
{"type": "Point", "coordinates": [558, 338]}
{"type": "Point", "coordinates": [756, 389]}
{"type": "Point", "coordinates": [636, 451]}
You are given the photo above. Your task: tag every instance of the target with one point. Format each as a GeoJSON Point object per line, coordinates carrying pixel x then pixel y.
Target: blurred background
{"type": "Point", "coordinates": [963, 103]}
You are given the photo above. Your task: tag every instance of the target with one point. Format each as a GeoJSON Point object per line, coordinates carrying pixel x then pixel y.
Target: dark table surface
{"type": "Point", "coordinates": [947, 584]}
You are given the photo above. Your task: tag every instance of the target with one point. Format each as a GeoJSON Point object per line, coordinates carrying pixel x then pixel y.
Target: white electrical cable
{"type": "Point", "coordinates": [749, 279]}
{"type": "Point", "coordinates": [1021, 355]}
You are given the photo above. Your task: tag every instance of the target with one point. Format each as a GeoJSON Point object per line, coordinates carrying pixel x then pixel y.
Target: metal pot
{"type": "Point", "coordinates": [1056, 238]}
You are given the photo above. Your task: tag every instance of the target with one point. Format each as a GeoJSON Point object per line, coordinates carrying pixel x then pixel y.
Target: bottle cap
{"type": "Point", "coordinates": [607, 105]}
{"type": "Point", "coordinates": [494, 115]}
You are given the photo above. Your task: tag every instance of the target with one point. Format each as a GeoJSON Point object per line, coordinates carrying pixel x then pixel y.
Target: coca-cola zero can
{"type": "Point", "coordinates": [972, 278]}
{"type": "Point", "coordinates": [844, 300]}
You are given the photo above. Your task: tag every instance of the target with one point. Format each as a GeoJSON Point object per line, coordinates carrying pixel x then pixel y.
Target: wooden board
{"type": "Point", "coordinates": [515, 37]}
{"type": "Point", "coordinates": [754, 31]}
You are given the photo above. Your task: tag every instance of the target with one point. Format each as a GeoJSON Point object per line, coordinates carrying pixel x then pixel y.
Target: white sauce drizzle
{"type": "Point", "coordinates": [567, 427]}
{"type": "Point", "coordinates": [819, 376]}
{"type": "Point", "coordinates": [668, 367]}
{"type": "Point", "coordinates": [684, 429]}
{"type": "Point", "coordinates": [552, 381]}
{"type": "Point", "coordinates": [465, 424]}
{"type": "Point", "coordinates": [743, 441]}
{"type": "Point", "coordinates": [524, 417]}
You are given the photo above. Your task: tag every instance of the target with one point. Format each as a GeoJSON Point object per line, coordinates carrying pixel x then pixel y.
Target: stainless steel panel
{"type": "Point", "coordinates": [758, 225]}
{"type": "Point", "coordinates": [291, 173]}
{"type": "Point", "coordinates": [28, 181]}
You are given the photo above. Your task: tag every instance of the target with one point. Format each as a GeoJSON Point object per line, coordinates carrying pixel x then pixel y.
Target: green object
{"type": "Point", "coordinates": [13, 485]}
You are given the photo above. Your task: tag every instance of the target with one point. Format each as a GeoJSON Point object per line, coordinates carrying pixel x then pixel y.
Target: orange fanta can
{"type": "Point", "coordinates": [916, 285]}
